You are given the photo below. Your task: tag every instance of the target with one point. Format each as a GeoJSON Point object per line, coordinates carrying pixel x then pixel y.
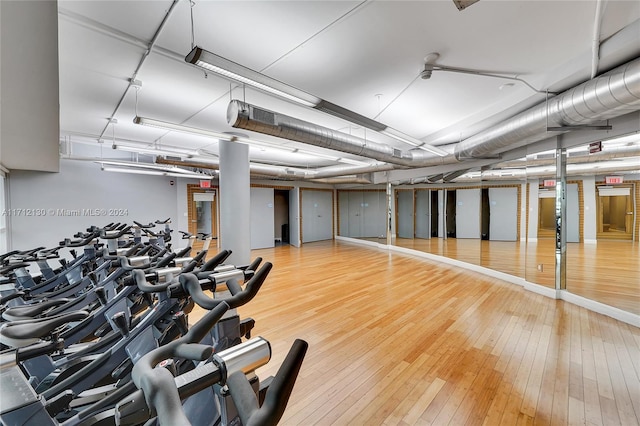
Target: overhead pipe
{"type": "Point", "coordinates": [540, 172]}
{"type": "Point", "coordinates": [609, 153]}
{"type": "Point", "coordinates": [608, 96]}
{"type": "Point", "coordinates": [364, 179]}
{"type": "Point", "coordinates": [521, 174]}
{"type": "Point", "coordinates": [288, 173]}
{"type": "Point", "coordinates": [250, 117]}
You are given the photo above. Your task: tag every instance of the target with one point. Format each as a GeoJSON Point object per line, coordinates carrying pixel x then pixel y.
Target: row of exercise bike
{"type": "Point", "coordinates": [104, 338]}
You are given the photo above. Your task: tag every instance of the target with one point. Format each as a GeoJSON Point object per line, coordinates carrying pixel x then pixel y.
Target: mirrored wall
{"type": "Point", "coordinates": [504, 218]}
{"type": "Point", "coordinates": [362, 213]}
{"type": "Point", "coordinates": [4, 216]}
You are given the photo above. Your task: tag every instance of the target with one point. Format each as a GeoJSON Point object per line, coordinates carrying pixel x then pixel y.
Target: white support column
{"type": "Point", "coordinates": [235, 216]}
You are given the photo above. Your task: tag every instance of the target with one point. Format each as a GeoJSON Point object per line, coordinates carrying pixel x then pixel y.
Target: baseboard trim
{"type": "Point", "coordinates": [564, 295]}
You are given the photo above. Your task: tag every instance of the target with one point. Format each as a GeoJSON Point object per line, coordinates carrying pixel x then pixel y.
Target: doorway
{"type": "Point", "coordinates": [615, 213]}
{"type": "Point", "coordinates": [316, 214]}
{"type": "Point", "coordinates": [281, 216]}
{"type": "Point", "coordinates": [435, 210]}
{"type": "Point", "coordinates": [450, 213]}
{"type": "Point", "coordinates": [202, 212]}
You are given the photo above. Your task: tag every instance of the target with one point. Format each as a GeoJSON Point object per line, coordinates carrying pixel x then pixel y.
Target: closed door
{"type": "Point", "coordinates": [374, 211]}
{"type": "Point", "coordinates": [405, 213]}
{"type": "Point", "coordinates": [317, 215]}
{"type": "Point", "coordinates": [467, 211]}
{"type": "Point", "coordinates": [503, 214]}
{"type": "Point", "coordinates": [356, 216]}
{"type": "Point", "coordinates": [423, 216]}
{"type": "Point", "coordinates": [262, 218]}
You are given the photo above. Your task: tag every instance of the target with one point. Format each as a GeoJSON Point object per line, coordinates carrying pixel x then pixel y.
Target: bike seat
{"type": "Point", "coordinates": [24, 312]}
{"type": "Point", "coordinates": [22, 333]}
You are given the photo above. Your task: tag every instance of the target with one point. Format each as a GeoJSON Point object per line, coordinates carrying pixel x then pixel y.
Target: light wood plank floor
{"type": "Point", "coordinates": [607, 272]}
{"type": "Point", "coordinates": [399, 340]}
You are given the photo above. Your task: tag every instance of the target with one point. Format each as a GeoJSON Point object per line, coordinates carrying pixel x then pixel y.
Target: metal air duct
{"type": "Point", "coordinates": [608, 153]}
{"type": "Point", "coordinates": [250, 117]}
{"type": "Point", "coordinates": [610, 95]}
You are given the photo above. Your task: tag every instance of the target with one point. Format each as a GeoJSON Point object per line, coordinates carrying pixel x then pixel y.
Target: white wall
{"type": "Point", "coordinates": [29, 85]}
{"type": "Point", "coordinates": [81, 195]}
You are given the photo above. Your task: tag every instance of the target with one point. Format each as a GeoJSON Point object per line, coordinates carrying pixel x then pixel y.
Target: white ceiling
{"type": "Point", "coordinates": [359, 55]}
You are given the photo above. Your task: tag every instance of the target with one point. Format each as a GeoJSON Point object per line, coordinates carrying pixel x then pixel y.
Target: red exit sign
{"type": "Point", "coordinates": [611, 180]}
{"type": "Point", "coordinates": [547, 183]}
{"type": "Point", "coordinates": [205, 184]}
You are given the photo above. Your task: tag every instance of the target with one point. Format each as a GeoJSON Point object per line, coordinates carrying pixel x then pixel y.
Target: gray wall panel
{"type": "Point", "coordinates": [503, 207]}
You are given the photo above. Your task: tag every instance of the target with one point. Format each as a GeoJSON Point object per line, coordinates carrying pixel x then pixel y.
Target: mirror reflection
{"type": "Point", "coordinates": [503, 218]}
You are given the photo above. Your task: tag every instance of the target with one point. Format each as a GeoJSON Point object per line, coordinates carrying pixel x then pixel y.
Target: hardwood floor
{"type": "Point", "coordinates": [607, 272]}
{"type": "Point", "coordinates": [399, 340]}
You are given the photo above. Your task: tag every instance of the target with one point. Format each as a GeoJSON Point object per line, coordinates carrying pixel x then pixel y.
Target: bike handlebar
{"type": "Point", "coordinates": [277, 395]}
{"type": "Point", "coordinates": [79, 243]}
{"type": "Point", "coordinates": [126, 265]}
{"type": "Point", "coordinates": [141, 226]}
{"type": "Point", "coordinates": [112, 235]}
{"type": "Point", "coordinates": [191, 285]}
{"type": "Point", "coordinates": [157, 384]}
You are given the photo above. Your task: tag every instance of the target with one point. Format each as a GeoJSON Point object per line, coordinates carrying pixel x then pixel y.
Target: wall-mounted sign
{"type": "Point", "coordinates": [611, 180]}
{"type": "Point", "coordinates": [547, 183]}
{"type": "Point", "coordinates": [595, 147]}
{"type": "Point", "coordinates": [205, 184]}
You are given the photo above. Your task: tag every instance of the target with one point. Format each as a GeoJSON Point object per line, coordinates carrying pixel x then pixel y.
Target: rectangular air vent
{"type": "Point", "coordinates": [397, 153]}
{"type": "Point", "coordinates": [264, 116]}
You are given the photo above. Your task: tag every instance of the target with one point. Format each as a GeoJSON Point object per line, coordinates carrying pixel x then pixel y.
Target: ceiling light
{"type": "Point", "coordinates": [231, 70]}
{"type": "Point", "coordinates": [156, 173]}
{"type": "Point", "coordinates": [413, 142]}
{"type": "Point", "coordinates": [234, 71]}
{"type": "Point", "coordinates": [152, 151]}
{"type": "Point", "coordinates": [150, 122]}
{"type": "Point", "coordinates": [130, 164]}
{"type": "Point", "coordinates": [353, 162]}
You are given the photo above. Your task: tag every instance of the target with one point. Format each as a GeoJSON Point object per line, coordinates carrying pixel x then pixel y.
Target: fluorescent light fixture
{"type": "Point", "coordinates": [150, 122]}
{"type": "Point", "coordinates": [353, 162]}
{"type": "Point", "coordinates": [131, 164]}
{"type": "Point", "coordinates": [234, 71]}
{"type": "Point", "coordinates": [395, 134]}
{"type": "Point", "coordinates": [156, 173]}
{"type": "Point", "coordinates": [152, 151]}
